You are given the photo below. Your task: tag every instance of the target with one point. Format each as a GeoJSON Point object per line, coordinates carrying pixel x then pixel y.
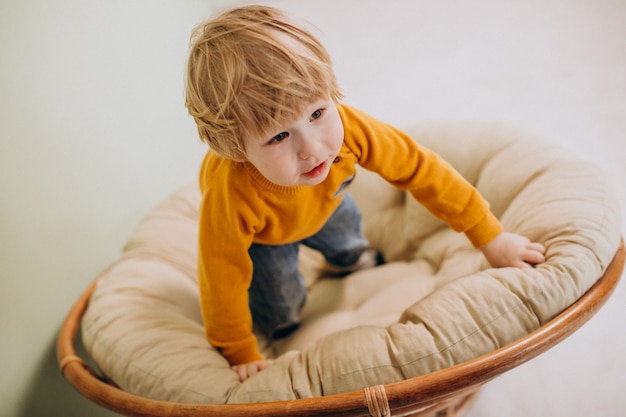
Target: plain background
{"type": "Point", "coordinates": [94, 132]}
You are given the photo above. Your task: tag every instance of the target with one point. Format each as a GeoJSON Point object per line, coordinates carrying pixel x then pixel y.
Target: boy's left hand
{"type": "Point", "coordinates": [510, 249]}
{"type": "Point", "coordinates": [246, 370]}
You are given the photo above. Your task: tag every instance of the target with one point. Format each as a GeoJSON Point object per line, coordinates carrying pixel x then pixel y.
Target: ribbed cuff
{"type": "Point", "coordinates": [484, 231]}
{"type": "Point", "coordinates": [242, 351]}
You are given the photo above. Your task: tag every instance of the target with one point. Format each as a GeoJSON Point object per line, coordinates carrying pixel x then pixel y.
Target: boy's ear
{"type": "Point", "coordinates": [232, 157]}
{"type": "Point", "coordinates": [237, 156]}
{"type": "Point", "coordinates": [240, 159]}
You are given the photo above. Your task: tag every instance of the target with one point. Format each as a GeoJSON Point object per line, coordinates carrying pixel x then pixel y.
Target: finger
{"type": "Point", "coordinates": [535, 246]}
{"type": "Point", "coordinates": [533, 257]}
{"type": "Point", "coordinates": [521, 265]}
{"type": "Point", "coordinates": [252, 369]}
{"type": "Point", "coordinates": [538, 257]}
{"type": "Point", "coordinates": [240, 371]}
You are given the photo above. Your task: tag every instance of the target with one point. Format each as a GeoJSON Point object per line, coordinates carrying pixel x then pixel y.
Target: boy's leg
{"type": "Point", "coordinates": [277, 292]}
{"type": "Point", "coordinates": [341, 240]}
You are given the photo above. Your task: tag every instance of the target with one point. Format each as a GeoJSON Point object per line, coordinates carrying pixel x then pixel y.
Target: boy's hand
{"type": "Point", "coordinates": [246, 370]}
{"type": "Point", "coordinates": [510, 249]}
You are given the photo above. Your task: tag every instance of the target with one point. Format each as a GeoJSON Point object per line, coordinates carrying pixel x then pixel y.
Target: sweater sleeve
{"type": "Point", "coordinates": [433, 182]}
{"type": "Point", "coordinates": [224, 276]}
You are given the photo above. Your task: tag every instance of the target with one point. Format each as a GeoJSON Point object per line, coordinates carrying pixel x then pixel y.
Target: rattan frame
{"type": "Point", "coordinates": [448, 392]}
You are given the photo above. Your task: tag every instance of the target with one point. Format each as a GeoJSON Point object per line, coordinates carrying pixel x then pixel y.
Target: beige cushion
{"type": "Point", "coordinates": [435, 303]}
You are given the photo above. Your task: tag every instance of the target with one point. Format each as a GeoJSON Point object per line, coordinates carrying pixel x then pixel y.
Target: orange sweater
{"type": "Point", "coordinates": [239, 207]}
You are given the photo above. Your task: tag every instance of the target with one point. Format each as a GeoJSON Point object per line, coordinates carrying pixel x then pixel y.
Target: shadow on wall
{"type": "Point", "coordinates": [50, 395]}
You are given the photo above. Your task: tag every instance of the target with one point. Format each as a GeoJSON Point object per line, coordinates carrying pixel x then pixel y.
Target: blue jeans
{"type": "Point", "coordinates": [277, 292]}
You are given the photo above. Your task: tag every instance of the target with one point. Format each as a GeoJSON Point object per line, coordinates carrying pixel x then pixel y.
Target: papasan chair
{"type": "Point", "coordinates": [417, 336]}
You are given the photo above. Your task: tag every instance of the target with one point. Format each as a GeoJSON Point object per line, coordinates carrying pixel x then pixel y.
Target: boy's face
{"type": "Point", "coordinates": [302, 152]}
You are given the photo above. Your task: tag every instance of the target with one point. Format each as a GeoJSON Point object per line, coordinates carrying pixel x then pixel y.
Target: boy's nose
{"type": "Point", "coordinates": [309, 147]}
{"type": "Point", "coordinates": [304, 155]}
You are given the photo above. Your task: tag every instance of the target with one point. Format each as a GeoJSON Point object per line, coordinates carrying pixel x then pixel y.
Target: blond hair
{"type": "Point", "coordinates": [250, 69]}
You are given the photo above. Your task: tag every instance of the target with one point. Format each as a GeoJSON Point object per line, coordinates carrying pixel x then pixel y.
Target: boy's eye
{"type": "Point", "coordinates": [316, 114]}
{"type": "Point", "coordinates": [279, 138]}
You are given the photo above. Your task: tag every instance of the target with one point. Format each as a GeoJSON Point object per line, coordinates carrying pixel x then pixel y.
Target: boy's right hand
{"type": "Point", "coordinates": [246, 370]}
{"type": "Point", "coordinates": [511, 249]}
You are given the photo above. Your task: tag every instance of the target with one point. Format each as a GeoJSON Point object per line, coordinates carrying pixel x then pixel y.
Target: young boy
{"type": "Point", "coordinates": [283, 152]}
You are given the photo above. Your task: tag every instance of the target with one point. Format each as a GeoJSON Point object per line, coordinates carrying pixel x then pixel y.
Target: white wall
{"type": "Point", "coordinates": [93, 132]}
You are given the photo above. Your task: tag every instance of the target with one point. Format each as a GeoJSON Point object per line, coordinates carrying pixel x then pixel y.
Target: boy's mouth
{"type": "Point", "coordinates": [315, 171]}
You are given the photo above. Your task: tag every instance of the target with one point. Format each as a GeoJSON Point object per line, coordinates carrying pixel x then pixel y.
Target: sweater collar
{"type": "Point", "coordinates": [266, 184]}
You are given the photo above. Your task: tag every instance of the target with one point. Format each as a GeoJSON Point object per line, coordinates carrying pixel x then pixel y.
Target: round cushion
{"type": "Point", "coordinates": [435, 303]}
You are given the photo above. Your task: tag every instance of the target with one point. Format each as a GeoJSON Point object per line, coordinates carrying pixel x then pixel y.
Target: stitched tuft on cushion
{"type": "Point", "coordinates": [436, 303]}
